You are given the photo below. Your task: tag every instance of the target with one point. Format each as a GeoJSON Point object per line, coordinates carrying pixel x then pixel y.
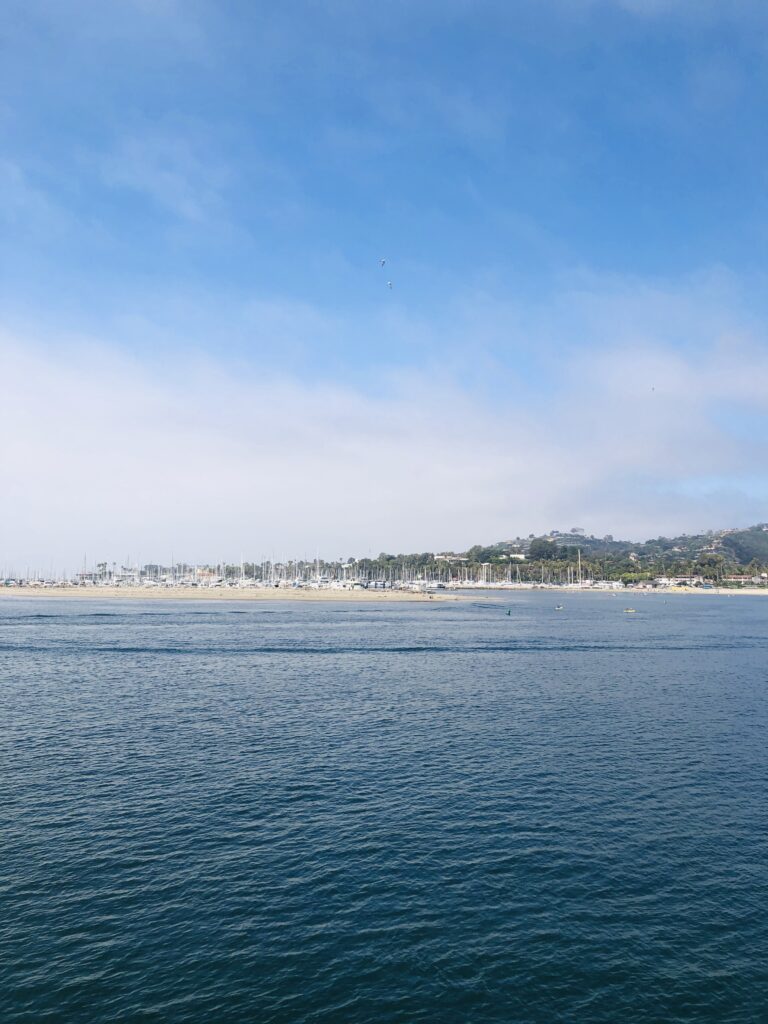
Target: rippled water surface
{"type": "Point", "coordinates": [279, 812]}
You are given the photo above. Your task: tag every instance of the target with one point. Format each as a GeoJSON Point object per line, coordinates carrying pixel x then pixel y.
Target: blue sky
{"type": "Point", "coordinates": [194, 198]}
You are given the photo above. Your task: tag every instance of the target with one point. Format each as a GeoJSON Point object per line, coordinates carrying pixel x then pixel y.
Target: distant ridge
{"type": "Point", "coordinates": [739, 545]}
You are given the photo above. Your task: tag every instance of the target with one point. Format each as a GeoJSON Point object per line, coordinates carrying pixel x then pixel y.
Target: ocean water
{"type": "Point", "coordinates": [342, 813]}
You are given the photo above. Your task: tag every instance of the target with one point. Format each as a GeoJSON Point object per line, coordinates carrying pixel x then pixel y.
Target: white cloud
{"type": "Point", "coordinates": [103, 455]}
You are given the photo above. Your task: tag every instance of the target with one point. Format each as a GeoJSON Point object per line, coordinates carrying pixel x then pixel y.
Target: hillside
{"type": "Point", "coordinates": [716, 555]}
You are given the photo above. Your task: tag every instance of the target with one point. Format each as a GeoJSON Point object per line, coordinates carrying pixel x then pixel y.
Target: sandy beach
{"type": "Point", "coordinates": [307, 594]}
{"type": "Point", "coordinates": [215, 594]}
{"type": "Point", "coordinates": [718, 592]}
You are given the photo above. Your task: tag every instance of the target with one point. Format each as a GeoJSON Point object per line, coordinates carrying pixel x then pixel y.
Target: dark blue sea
{"type": "Point", "coordinates": [351, 813]}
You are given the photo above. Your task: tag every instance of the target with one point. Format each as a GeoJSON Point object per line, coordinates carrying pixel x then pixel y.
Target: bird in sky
{"type": "Point", "coordinates": [382, 262]}
{"type": "Point", "coordinates": [390, 284]}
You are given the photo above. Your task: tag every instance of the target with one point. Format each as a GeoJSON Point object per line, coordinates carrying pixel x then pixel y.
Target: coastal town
{"type": "Point", "coordinates": [724, 560]}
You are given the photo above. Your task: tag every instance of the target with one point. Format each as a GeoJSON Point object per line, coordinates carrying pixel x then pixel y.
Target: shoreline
{"type": "Point", "coordinates": [717, 591]}
{"type": "Point", "coordinates": [365, 596]}
{"type": "Point", "coordinates": [677, 591]}
{"type": "Point", "coordinates": [196, 594]}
